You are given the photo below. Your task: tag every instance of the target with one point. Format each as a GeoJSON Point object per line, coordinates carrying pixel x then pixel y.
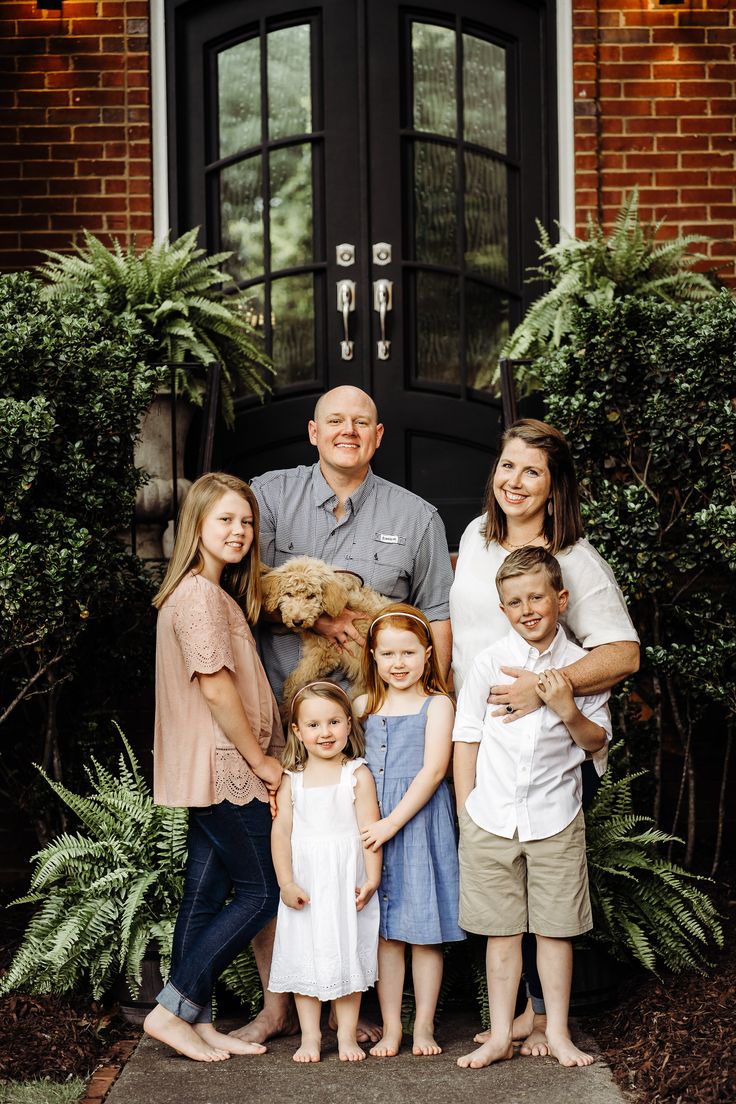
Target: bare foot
{"type": "Point", "coordinates": [366, 1032]}
{"type": "Point", "coordinates": [485, 1055]}
{"type": "Point", "coordinates": [536, 1041]}
{"type": "Point", "coordinates": [564, 1050]}
{"type": "Point", "coordinates": [424, 1043]}
{"type": "Point", "coordinates": [167, 1028]}
{"type": "Point", "coordinates": [267, 1025]}
{"type": "Point", "coordinates": [310, 1049]}
{"type": "Point", "coordinates": [348, 1049]}
{"type": "Point", "coordinates": [389, 1044]}
{"type": "Point", "coordinates": [522, 1026]}
{"type": "Point", "coordinates": [209, 1034]}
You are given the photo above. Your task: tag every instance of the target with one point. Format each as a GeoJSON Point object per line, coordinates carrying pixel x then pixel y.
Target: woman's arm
{"type": "Point", "coordinates": [603, 667]}
{"type": "Point", "coordinates": [366, 811]}
{"type": "Point", "coordinates": [219, 691]}
{"type": "Point", "coordinates": [437, 752]}
{"type": "Point", "coordinates": [291, 894]}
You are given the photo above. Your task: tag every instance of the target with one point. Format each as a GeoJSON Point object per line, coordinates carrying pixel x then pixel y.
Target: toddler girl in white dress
{"type": "Point", "coordinates": [327, 926]}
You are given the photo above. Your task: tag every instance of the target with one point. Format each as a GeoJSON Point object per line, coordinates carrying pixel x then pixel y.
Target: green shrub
{"type": "Point", "coordinates": [645, 392]}
{"type": "Point", "coordinates": [74, 385]}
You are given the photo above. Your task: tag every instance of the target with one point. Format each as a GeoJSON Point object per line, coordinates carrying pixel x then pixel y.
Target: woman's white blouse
{"type": "Point", "coordinates": [596, 612]}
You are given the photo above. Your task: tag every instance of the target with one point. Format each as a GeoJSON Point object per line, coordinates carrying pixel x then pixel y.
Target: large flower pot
{"type": "Point", "coordinates": [134, 1007]}
{"type": "Point", "coordinates": [595, 980]}
{"type": "Point", "coordinates": [154, 505]}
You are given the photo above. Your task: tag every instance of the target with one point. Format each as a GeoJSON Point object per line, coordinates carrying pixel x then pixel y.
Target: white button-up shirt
{"type": "Point", "coordinates": [528, 771]}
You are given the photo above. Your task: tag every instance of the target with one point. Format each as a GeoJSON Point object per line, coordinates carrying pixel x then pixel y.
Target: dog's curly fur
{"type": "Point", "coordinates": [301, 590]}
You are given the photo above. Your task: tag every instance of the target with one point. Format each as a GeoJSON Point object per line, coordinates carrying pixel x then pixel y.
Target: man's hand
{"type": "Point", "coordinates": [521, 695]}
{"type": "Point", "coordinates": [340, 630]}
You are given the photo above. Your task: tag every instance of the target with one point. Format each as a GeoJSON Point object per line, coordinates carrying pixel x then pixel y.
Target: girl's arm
{"type": "Point", "coordinates": [219, 691]}
{"type": "Point", "coordinates": [291, 894]}
{"type": "Point", "coordinates": [366, 810]}
{"type": "Point", "coordinates": [437, 751]}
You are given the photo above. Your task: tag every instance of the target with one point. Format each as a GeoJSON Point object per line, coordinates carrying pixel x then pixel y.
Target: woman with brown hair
{"type": "Point", "coordinates": [532, 500]}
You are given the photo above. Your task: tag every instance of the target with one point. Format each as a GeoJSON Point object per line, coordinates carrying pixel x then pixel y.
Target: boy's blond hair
{"type": "Point", "coordinates": [525, 560]}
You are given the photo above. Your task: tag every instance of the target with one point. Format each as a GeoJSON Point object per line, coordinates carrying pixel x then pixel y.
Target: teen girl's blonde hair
{"type": "Point", "coordinates": [295, 753]}
{"type": "Point", "coordinates": [399, 616]}
{"type": "Point", "coordinates": [242, 580]}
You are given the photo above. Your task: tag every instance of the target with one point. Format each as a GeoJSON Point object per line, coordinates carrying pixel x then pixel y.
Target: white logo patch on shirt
{"type": "Point", "coordinates": [388, 538]}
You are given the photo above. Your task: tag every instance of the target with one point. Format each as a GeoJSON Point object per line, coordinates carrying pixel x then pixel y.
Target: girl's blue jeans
{"type": "Point", "coordinates": [229, 853]}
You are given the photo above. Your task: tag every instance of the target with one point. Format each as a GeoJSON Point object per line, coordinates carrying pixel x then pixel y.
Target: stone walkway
{"type": "Point", "coordinates": [156, 1076]}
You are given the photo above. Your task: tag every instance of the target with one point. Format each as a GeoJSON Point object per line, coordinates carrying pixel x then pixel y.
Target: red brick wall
{"type": "Point", "coordinates": [75, 130]}
{"type": "Point", "coordinates": [655, 105]}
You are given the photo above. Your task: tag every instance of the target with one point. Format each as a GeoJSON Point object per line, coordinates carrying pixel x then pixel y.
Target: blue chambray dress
{"type": "Point", "coordinates": [419, 882]}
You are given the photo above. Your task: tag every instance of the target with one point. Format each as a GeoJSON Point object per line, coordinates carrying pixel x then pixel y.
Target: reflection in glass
{"type": "Point", "coordinates": [253, 308]}
{"type": "Point", "coordinates": [435, 203]}
{"type": "Point", "coordinates": [292, 318]}
{"type": "Point", "coordinates": [433, 71]}
{"type": "Point", "coordinates": [241, 217]}
{"type": "Point", "coordinates": [487, 322]}
{"type": "Point", "coordinates": [438, 328]}
{"type": "Point", "coordinates": [239, 96]}
{"type": "Point", "coordinates": [484, 93]}
{"type": "Point", "coordinates": [486, 217]}
{"type": "Point", "coordinates": [289, 84]}
{"type": "Point", "coordinates": [291, 206]}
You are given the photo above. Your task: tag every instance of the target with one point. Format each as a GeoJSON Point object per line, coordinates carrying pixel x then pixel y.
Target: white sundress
{"type": "Point", "coordinates": [327, 949]}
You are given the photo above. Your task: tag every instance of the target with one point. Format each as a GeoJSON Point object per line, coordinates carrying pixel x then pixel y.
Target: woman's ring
{"type": "Point", "coordinates": [509, 709]}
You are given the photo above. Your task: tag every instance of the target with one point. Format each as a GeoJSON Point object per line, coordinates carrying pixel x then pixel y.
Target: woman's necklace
{"type": "Point", "coordinates": [524, 544]}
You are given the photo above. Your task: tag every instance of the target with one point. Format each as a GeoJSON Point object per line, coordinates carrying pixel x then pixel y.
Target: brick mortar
{"type": "Point", "coordinates": [63, 79]}
{"type": "Point", "coordinates": [655, 105]}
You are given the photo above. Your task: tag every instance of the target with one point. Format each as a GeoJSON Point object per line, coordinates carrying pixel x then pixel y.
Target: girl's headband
{"type": "Point", "coordinates": [324, 683]}
{"type": "Point", "coordinates": [400, 613]}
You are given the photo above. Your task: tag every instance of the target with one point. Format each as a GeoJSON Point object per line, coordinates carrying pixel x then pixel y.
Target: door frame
{"type": "Point", "coordinates": [161, 182]}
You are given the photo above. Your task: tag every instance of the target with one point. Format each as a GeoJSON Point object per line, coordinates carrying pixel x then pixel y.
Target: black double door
{"type": "Point", "coordinates": [376, 169]}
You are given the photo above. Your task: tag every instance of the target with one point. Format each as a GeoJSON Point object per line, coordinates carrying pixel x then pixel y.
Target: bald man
{"type": "Point", "coordinates": [340, 512]}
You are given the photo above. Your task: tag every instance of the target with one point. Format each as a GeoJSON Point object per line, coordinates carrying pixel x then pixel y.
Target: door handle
{"type": "Point", "coordinates": [346, 304]}
{"type": "Point", "coordinates": [382, 303]}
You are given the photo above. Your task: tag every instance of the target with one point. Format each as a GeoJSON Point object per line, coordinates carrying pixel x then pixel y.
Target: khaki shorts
{"type": "Point", "coordinates": [507, 886]}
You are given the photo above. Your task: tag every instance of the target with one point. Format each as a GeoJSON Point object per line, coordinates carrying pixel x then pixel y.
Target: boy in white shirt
{"type": "Point", "coordinates": [518, 790]}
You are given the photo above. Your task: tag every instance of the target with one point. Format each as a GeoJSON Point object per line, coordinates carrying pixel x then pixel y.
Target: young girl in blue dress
{"type": "Point", "coordinates": [408, 737]}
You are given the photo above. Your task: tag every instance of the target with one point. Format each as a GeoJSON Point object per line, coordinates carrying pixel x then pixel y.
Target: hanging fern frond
{"type": "Point", "coordinates": [598, 268]}
{"type": "Point", "coordinates": [644, 907]}
{"type": "Point", "coordinates": [178, 295]}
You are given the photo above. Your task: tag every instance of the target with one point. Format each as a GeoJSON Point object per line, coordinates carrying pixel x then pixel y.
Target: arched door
{"type": "Point", "coordinates": [376, 169]}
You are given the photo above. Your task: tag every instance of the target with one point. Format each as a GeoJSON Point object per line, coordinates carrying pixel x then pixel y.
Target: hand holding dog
{"type": "Point", "coordinates": [340, 630]}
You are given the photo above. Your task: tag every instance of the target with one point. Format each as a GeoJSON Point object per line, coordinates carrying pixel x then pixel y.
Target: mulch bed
{"type": "Point", "coordinates": [673, 1041]}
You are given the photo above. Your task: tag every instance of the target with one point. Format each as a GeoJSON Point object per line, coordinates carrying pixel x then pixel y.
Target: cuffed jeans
{"type": "Point", "coordinates": [229, 852]}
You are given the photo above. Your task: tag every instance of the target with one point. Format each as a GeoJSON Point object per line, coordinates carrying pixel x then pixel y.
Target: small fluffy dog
{"type": "Point", "coordinates": [301, 590]}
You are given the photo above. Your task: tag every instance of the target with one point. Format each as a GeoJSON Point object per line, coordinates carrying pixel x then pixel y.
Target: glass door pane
{"type": "Point", "coordinates": [265, 176]}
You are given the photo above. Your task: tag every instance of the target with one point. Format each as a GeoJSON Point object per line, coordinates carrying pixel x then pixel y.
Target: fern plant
{"type": "Point", "coordinates": [108, 891]}
{"type": "Point", "coordinates": [175, 291]}
{"type": "Point", "coordinates": [594, 270]}
{"type": "Point", "coordinates": [645, 908]}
